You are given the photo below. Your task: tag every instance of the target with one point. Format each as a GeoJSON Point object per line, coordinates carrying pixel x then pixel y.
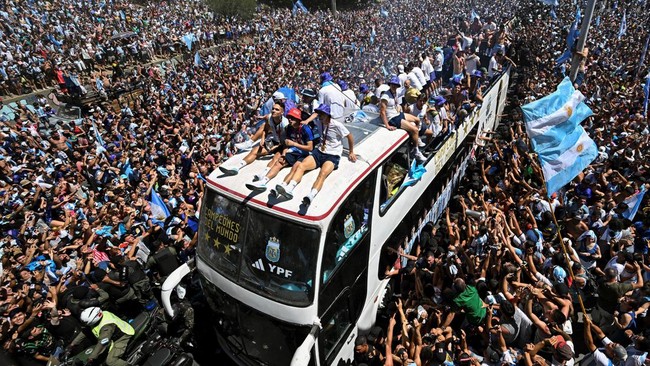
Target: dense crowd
{"type": "Point", "coordinates": [68, 44]}
{"type": "Point", "coordinates": [79, 232]}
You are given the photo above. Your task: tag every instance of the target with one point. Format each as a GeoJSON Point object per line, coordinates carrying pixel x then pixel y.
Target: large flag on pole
{"type": "Point", "coordinates": [301, 6]}
{"type": "Point", "coordinates": [623, 29]}
{"type": "Point", "coordinates": [563, 146]}
{"type": "Point", "coordinates": [571, 37]}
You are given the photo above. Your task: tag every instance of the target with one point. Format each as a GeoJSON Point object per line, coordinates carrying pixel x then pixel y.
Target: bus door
{"type": "Point", "coordinates": [344, 275]}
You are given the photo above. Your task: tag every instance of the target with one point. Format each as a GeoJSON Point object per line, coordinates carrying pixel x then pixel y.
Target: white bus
{"type": "Point", "coordinates": [295, 285]}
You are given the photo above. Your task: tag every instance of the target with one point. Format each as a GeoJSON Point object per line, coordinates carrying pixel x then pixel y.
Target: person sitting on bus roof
{"type": "Point", "coordinates": [392, 116]}
{"type": "Point", "coordinates": [326, 156]}
{"type": "Point", "coordinates": [272, 136]}
{"type": "Point", "coordinates": [299, 142]}
{"type": "Point", "coordinates": [277, 97]}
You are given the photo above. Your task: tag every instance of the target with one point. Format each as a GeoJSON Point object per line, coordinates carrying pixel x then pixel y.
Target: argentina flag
{"type": "Point", "coordinates": [563, 146]}
{"type": "Point", "coordinates": [159, 210]}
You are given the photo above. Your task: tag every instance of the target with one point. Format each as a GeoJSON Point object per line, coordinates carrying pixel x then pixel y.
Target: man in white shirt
{"type": "Point", "coordinates": [401, 74]}
{"type": "Point", "coordinates": [326, 156]}
{"type": "Point", "coordinates": [427, 69]}
{"type": "Point", "coordinates": [351, 101]}
{"type": "Point", "coordinates": [330, 94]}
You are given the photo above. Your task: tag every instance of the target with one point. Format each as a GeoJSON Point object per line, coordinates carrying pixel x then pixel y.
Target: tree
{"type": "Point", "coordinates": [242, 8]}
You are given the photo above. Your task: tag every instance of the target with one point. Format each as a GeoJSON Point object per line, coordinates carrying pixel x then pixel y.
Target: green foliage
{"type": "Point", "coordinates": [242, 8]}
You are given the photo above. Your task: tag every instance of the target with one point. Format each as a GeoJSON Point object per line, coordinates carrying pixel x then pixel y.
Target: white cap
{"type": "Point", "coordinates": [400, 68]}
{"type": "Point", "coordinates": [183, 149]}
{"type": "Point", "coordinates": [58, 161]}
{"type": "Point", "coordinates": [278, 95]}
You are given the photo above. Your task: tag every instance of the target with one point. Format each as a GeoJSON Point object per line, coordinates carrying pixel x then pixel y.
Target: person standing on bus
{"type": "Point", "coordinates": [391, 114]}
{"type": "Point", "coordinates": [299, 142]}
{"type": "Point", "coordinates": [273, 134]}
{"type": "Point", "coordinates": [330, 94]}
{"type": "Point", "coordinates": [326, 156]}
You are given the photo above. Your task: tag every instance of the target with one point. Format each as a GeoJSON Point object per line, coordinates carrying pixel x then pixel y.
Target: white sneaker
{"type": "Point", "coordinates": [257, 177]}
{"type": "Point", "coordinates": [230, 171]}
{"type": "Point", "coordinates": [256, 186]}
{"type": "Point", "coordinates": [243, 146]}
{"type": "Point", "coordinates": [420, 143]}
{"type": "Point", "coordinates": [419, 157]}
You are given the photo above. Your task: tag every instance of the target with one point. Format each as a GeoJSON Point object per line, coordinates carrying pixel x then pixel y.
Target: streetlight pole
{"type": "Point", "coordinates": [334, 7]}
{"type": "Point", "coordinates": [584, 32]}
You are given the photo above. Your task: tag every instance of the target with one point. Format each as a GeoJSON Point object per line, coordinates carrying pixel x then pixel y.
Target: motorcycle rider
{"type": "Point", "coordinates": [110, 331]}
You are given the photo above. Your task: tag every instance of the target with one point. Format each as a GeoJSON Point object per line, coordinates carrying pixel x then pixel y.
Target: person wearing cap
{"type": "Point", "coordinates": [366, 96]}
{"type": "Point", "coordinates": [331, 95]}
{"type": "Point", "coordinates": [326, 156]}
{"type": "Point", "coordinates": [401, 74]}
{"type": "Point", "coordinates": [612, 353]}
{"type": "Point", "coordinates": [351, 102]}
{"type": "Point", "coordinates": [299, 142]}
{"type": "Point", "coordinates": [309, 102]}
{"type": "Point", "coordinates": [390, 112]}
{"type": "Point", "coordinates": [365, 352]}
{"type": "Point", "coordinates": [273, 135]}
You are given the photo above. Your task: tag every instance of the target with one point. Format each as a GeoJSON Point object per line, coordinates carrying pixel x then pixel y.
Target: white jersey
{"type": "Point", "coordinates": [331, 94]}
{"type": "Point", "coordinates": [392, 103]}
{"type": "Point", "coordinates": [415, 81]}
{"type": "Point", "coordinates": [332, 136]}
{"type": "Point", "coordinates": [427, 68]}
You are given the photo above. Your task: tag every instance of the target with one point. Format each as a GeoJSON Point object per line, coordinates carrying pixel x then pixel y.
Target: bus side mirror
{"type": "Point", "coordinates": [303, 354]}
{"type": "Point", "coordinates": [170, 284]}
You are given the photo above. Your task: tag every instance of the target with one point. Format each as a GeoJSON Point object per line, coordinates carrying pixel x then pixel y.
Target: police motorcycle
{"type": "Point", "coordinates": [148, 346]}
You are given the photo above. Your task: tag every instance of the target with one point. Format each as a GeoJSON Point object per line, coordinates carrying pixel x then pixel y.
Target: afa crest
{"type": "Point", "coordinates": [348, 226]}
{"type": "Point", "coordinates": [273, 250]}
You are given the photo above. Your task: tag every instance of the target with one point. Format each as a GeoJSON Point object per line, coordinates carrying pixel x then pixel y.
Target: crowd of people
{"type": "Point", "coordinates": [68, 44]}
{"type": "Point", "coordinates": [79, 230]}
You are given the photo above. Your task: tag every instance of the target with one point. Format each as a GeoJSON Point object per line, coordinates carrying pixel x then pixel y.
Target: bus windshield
{"type": "Point", "coordinates": [272, 257]}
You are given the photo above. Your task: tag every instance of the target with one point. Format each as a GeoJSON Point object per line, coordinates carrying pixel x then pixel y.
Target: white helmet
{"type": "Point", "coordinates": [91, 316]}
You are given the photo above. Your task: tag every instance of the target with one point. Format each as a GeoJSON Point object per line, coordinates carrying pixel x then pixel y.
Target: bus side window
{"type": "Point", "coordinates": [394, 172]}
{"type": "Point", "coordinates": [350, 225]}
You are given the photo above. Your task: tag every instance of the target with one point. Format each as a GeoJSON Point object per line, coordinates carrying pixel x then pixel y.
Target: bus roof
{"type": "Point", "coordinates": [372, 144]}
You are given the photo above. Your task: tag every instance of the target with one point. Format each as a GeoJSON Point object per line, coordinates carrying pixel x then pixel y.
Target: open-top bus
{"type": "Point", "coordinates": [291, 284]}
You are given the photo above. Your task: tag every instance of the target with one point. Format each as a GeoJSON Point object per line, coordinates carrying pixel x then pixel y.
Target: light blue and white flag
{"type": "Point", "coordinates": [301, 7]}
{"type": "Point", "coordinates": [646, 92]}
{"type": "Point", "coordinates": [473, 15]}
{"type": "Point", "coordinates": [633, 204]}
{"type": "Point", "coordinates": [99, 141]}
{"type": "Point", "coordinates": [571, 37]}
{"type": "Point", "coordinates": [550, 2]}
{"type": "Point", "coordinates": [188, 39]}
{"type": "Point", "coordinates": [623, 29]}
{"type": "Point", "coordinates": [563, 146]}
{"type": "Point", "coordinates": [159, 210]}
{"type": "Point", "coordinates": [373, 34]}
{"type": "Point", "coordinates": [553, 14]}
{"type": "Point", "coordinates": [383, 12]}
{"type": "Point", "coordinates": [197, 60]}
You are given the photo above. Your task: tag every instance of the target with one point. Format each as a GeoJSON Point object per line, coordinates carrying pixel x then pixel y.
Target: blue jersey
{"type": "Point", "coordinates": [301, 135]}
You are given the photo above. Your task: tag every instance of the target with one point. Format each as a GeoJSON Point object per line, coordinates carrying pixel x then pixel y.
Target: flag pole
{"type": "Point", "coordinates": [568, 259]}
{"type": "Point", "coordinates": [584, 31]}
